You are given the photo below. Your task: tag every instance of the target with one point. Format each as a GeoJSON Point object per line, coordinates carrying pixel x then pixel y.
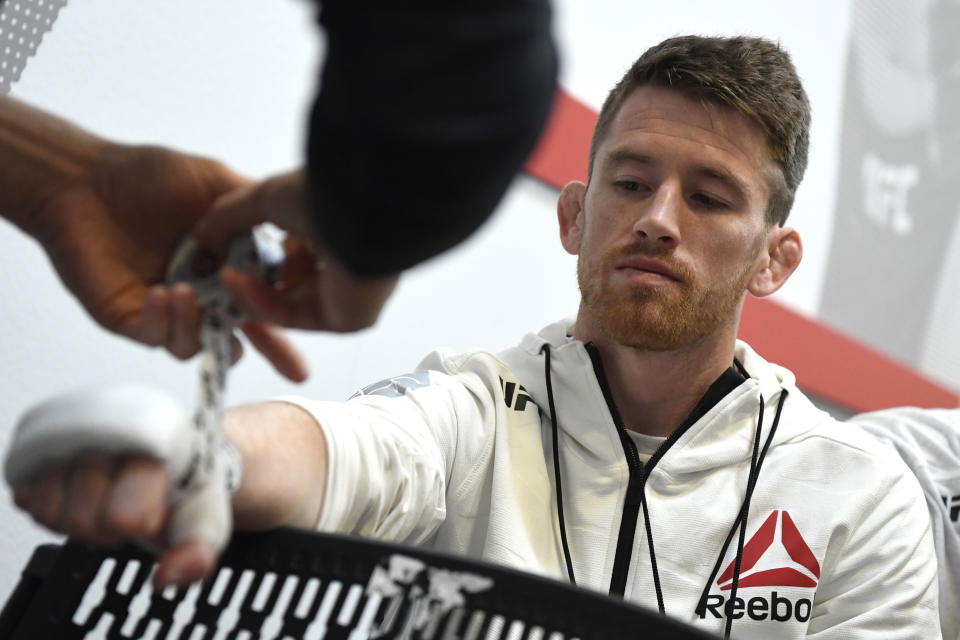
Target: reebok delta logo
{"type": "Point", "coordinates": [803, 572]}
{"type": "Point", "coordinates": [776, 556]}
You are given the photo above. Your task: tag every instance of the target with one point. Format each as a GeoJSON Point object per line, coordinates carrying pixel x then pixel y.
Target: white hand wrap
{"type": "Point", "coordinates": [131, 419]}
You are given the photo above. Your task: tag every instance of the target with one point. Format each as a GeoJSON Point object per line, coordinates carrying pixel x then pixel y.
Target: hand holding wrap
{"type": "Point", "coordinates": [129, 419]}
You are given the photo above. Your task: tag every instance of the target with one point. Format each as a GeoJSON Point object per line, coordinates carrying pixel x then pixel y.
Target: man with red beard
{"type": "Point", "coordinates": [640, 449]}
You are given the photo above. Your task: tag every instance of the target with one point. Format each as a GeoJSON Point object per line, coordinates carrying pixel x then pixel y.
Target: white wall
{"type": "Point", "coordinates": [231, 78]}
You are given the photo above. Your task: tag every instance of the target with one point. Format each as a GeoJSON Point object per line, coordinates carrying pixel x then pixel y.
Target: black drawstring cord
{"type": "Point", "coordinates": [545, 350]}
{"type": "Point", "coordinates": [653, 555]}
{"type": "Point", "coordinates": [741, 519]}
{"type": "Point", "coordinates": [746, 506]}
{"type": "Point", "coordinates": [745, 512]}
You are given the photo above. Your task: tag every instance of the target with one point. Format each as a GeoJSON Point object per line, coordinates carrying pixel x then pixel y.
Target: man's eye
{"type": "Point", "coordinates": [630, 185]}
{"type": "Point", "coordinates": [708, 202]}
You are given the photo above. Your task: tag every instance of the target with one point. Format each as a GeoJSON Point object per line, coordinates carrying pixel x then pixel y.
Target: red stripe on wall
{"type": "Point", "coordinates": [827, 363]}
{"type": "Point", "coordinates": [563, 152]}
{"type": "Point", "coordinates": [833, 366]}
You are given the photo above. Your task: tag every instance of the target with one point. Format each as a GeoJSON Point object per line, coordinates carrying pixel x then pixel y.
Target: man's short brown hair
{"type": "Point", "coordinates": [752, 75]}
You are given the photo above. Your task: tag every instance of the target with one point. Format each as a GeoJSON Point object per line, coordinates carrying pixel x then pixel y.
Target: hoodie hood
{"type": "Point", "coordinates": [721, 437]}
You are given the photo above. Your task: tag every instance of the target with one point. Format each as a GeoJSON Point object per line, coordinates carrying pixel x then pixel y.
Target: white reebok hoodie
{"type": "Point", "coordinates": [458, 455]}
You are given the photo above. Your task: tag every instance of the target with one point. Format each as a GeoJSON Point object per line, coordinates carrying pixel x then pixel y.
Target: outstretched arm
{"type": "Point", "coordinates": [378, 465]}
{"type": "Point", "coordinates": [106, 499]}
{"type": "Point", "coordinates": [285, 466]}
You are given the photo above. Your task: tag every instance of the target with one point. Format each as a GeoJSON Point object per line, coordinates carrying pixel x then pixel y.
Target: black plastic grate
{"type": "Point", "coordinates": [296, 584]}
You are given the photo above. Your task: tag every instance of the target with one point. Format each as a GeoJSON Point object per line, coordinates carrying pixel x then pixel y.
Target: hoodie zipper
{"type": "Point", "coordinates": [637, 480]}
{"type": "Point", "coordinates": [631, 506]}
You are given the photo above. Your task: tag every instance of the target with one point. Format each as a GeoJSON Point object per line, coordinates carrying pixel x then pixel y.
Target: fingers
{"type": "Point", "coordinates": [278, 350]}
{"type": "Point", "coordinates": [155, 318]}
{"type": "Point", "coordinates": [280, 200]}
{"type": "Point", "coordinates": [186, 562]}
{"type": "Point", "coordinates": [106, 500]}
{"type": "Point", "coordinates": [137, 503]}
{"type": "Point", "coordinates": [44, 498]}
{"type": "Point", "coordinates": [100, 498]}
{"type": "Point", "coordinates": [231, 214]}
{"type": "Point", "coordinates": [84, 498]}
{"type": "Point", "coordinates": [183, 338]}
{"type": "Point", "coordinates": [171, 319]}
{"type": "Point", "coordinates": [330, 299]}
{"type": "Point", "coordinates": [265, 304]}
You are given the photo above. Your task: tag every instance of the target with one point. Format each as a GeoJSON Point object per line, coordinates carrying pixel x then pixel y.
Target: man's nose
{"type": "Point", "coordinates": [659, 219]}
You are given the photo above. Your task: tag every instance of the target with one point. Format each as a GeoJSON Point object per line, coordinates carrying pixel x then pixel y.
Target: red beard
{"type": "Point", "coordinates": [663, 318]}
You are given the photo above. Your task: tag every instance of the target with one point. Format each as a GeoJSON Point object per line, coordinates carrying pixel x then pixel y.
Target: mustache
{"type": "Point", "coordinates": [645, 250]}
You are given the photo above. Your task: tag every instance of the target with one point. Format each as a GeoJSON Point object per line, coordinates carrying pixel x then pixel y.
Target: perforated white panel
{"type": "Point", "coordinates": [23, 24]}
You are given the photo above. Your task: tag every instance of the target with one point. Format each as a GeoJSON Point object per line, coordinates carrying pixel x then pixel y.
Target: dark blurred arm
{"type": "Point", "coordinates": [426, 112]}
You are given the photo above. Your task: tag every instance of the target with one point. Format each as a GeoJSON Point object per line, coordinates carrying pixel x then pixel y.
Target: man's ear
{"type": "Point", "coordinates": [783, 254]}
{"type": "Point", "coordinates": [570, 215]}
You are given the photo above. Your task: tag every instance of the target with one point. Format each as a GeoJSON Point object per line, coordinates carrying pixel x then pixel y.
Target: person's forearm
{"type": "Point", "coordinates": [41, 156]}
{"type": "Point", "coordinates": [410, 147]}
{"type": "Point", "coordinates": [284, 465]}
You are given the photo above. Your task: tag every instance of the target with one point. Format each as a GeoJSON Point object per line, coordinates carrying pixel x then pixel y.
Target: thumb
{"type": "Point", "coordinates": [203, 514]}
{"type": "Point", "coordinates": [198, 530]}
{"type": "Point", "coordinates": [280, 200]}
{"type": "Point", "coordinates": [231, 214]}
{"type": "Point", "coordinates": [186, 562]}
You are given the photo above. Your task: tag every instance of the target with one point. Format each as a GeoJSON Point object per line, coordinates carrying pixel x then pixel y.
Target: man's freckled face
{"type": "Point", "coordinates": [673, 219]}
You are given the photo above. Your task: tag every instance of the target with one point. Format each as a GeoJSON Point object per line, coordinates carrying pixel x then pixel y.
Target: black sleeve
{"type": "Point", "coordinates": [426, 112]}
